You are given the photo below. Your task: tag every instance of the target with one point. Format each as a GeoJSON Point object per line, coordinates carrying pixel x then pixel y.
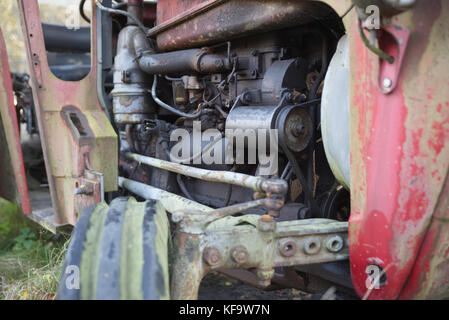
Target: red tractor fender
{"type": "Point", "coordinates": [400, 157]}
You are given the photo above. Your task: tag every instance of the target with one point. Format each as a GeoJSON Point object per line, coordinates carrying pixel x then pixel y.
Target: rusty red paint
{"type": "Point", "coordinates": [441, 133]}
{"type": "Point", "coordinates": [394, 206]}
{"type": "Point", "coordinates": [14, 145]}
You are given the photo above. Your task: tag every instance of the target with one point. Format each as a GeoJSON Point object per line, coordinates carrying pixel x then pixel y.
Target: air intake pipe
{"type": "Point", "coordinates": [183, 62]}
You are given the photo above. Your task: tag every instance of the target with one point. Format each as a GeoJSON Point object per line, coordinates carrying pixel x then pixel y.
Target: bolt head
{"type": "Point", "coordinates": [335, 244]}
{"type": "Point", "coordinates": [387, 83]}
{"type": "Point", "coordinates": [288, 248]}
{"type": "Point", "coordinates": [267, 223]}
{"type": "Point", "coordinates": [312, 246]}
{"type": "Point", "coordinates": [212, 256]}
{"type": "Point", "coordinates": [239, 254]}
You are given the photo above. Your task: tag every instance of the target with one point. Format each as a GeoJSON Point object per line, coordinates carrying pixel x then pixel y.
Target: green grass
{"type": "Point", "coordinates": [31, 258]}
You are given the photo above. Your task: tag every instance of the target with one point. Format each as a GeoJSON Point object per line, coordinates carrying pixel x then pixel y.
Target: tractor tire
{"type": "Point", "coordinates": [117, 252]}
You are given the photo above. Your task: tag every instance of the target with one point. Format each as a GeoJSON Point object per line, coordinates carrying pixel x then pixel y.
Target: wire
{"type": "Point", "coordinates": [82, 13]}
{"type": "Point", "coordinates": [183, 188]}
{"type": "Point", "coordinates": [124, 13]}
{"type": "Point", "coordinates": [382, 54]}
{"type": "Point", "coordinates": [170, 108]}
{"type": "Point", "coordinates": [347, 11]}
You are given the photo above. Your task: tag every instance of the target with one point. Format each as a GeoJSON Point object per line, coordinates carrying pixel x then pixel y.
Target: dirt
{"type": "Point", "coordinates": [219, 287]}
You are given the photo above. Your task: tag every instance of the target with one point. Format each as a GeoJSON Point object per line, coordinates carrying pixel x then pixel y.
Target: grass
{"type": "Point", "coordinates": [31, 258]}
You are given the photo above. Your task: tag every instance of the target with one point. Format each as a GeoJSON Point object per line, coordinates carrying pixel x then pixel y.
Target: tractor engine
{"type": "Point", "coordinates": [256, 83]}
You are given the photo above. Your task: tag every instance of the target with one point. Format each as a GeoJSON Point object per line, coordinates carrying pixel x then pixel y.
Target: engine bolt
{"type": "Point", "coordinates": [239, 254]}
{"type": "Point", "coordinates": [212, 256]}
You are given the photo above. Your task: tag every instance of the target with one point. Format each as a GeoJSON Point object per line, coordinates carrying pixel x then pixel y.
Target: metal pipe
{"type": "Point", "coordinates": [124, 13]}
{"type": "Point", "coordinates": [170, 201]}
{"type": "Point", "coordinates": [238, 179]}
{"type": "Point", "coordinates": [56, 35]}
{"type": "Point", "coordinates": [184, 61]}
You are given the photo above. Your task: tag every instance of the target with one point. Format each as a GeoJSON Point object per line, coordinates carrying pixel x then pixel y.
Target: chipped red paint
{"type": "Point", "coordinates": [401, 154]}
{"type": "Point", "coordinates": [14, 145]}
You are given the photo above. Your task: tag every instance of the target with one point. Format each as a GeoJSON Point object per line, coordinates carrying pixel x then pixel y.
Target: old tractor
{"type": "Point", "coordinates": [287, 144]}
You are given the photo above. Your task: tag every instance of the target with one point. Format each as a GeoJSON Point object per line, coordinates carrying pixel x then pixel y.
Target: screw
{"type": "Point", "coordinates": [239, 254]}
{"type": "Point", "coordinates": [212, 256]}
{"type": "Point", "coordinates": [388, 83]}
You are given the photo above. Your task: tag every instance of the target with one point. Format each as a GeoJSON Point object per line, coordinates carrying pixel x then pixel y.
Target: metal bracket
{"type": "Point", "coordinates": [203, 244]}
{"type": "Point", "coordinates": [393, 40]}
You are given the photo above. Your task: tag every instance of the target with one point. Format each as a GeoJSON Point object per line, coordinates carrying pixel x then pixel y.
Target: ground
{"type": "Point", "coordinates": [217, 287]}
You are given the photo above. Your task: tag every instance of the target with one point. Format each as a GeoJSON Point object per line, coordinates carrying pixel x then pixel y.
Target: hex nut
{"type": "Point", "coordinates": [267, 224]}
{"type": "Point", "coordinates": [288, 248]}
{"type": "Point", "coordinates": [239, 254]}
{"type": "Point", "coordinates": [335, 244]}
{"type": "Point", "coordinates": [211, 256]}
{"type": "Point", "coordinates": [312, 246]}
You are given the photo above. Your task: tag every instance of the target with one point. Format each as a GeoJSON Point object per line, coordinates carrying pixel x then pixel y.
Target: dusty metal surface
{"type": "Point", "coordinates": [217, 21]}
{"type": "Point", "coordinates": [171, 202]}
{"type": "Point", "coordinates": [260, 244]}
{"type": "Point", "coordinates": [74, 141]}
{"type": "Point", "coordinates": [258, 184]}
{"type": "Point", "coordinates": [13, 183]}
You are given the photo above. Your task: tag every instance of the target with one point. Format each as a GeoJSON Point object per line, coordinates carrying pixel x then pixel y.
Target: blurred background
{"type": "Point", "coordinates": [52, 11]}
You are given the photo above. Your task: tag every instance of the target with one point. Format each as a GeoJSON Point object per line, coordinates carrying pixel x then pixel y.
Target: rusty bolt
{"type": "Point", "coordinates": [239, 254]}
{"type": "Point", "coordinates": [288, 248]}
{"type": "Point", "coordinates": [265, 276]}
{"type": "Point", "coordinates": [212, 256]}
{"type": "Point", "coordinates": [266, 218]}
{"type": "Point", "coordinates": [312, 246]}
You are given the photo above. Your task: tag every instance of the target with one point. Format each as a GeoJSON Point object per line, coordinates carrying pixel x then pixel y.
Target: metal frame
{"type": "Point", "coordinates": [75, 131]}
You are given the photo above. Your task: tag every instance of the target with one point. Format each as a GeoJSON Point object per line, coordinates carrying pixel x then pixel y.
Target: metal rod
{"type": "Point", "coordinates": [170, 201]}
{"type": "Point", "coordinates": [238, 179]}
